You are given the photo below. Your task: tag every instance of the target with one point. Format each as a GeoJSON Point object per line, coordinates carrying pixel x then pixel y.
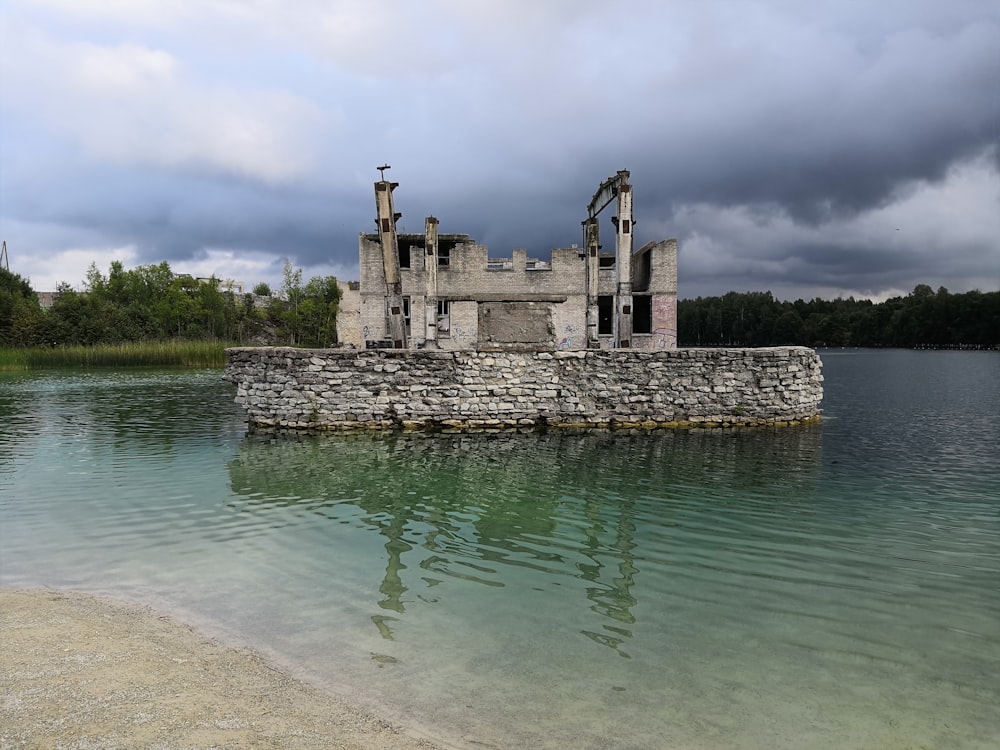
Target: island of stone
{"type": "Point", "coordinates": [439, 334]}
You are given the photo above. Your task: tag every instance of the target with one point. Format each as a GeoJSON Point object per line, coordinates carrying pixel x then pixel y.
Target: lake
{"type": "Point", "coordinates": [824, 586]}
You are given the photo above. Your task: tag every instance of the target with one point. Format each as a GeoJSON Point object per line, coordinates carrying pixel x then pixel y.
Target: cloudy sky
{"type": "Point", "coordinates": [821, 148]}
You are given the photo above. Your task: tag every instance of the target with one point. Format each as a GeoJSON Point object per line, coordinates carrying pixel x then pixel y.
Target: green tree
{"type": "Point", "coordinates": [922, 318]}
{"type": "Point", "coordinates": [318, 312]}
{"type": "Point", "coordinates": [75, 318]}
{"type": "Point", "coordinates": [20, 313]}
{"type": "Point", "coordinates": [210, 307]}
{"type": "Point", "coordinates": [286, 311]}
{"type": "Point", "coordinates": [787, 328]}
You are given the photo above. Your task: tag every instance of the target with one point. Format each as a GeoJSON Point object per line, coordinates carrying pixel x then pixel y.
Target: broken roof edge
{"type": "Point", "coordinates": [464, 238]}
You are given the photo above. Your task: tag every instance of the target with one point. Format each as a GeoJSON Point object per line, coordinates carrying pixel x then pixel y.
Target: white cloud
{"type": "Point", "coordinates": [124, 69]}
{"type": "Point", "coordinates": [155, 122]}
{"type": "Point", "coordinates": [47, 271]}
{"type": "Point", "coordinates": [931, 232]}
{"type": "Point", "coordinates": [145, 12]}
{"type": "Point", "coordinates": [245, 266]}
{"type": "Point", "coordinates": [133, 105]}
{"type": "Point", "coordinates": [960, 211]}
{"type": "Point", "coordinates": [253, 267]}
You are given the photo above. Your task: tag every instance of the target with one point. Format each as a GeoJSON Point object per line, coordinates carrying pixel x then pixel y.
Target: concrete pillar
{"type": "Point", "coordinates": [519, 259]}
{"type": "Point", "coordinates": [623, 265]}
{"type": "Point", "coordinates": [386, 221]}
{"type": "Point", "coordinates": [592, 248]}
{"type": "Point", "coordinates": [430, 272]}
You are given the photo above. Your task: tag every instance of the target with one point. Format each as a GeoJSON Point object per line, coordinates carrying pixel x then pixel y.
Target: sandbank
{"type": "Point", "coordinates": [78, 671]}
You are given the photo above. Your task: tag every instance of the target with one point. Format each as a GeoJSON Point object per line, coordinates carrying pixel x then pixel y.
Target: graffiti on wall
{"type": "Point", "coordinates": [569, 339]}
{"type": "Point", "coordinates": [665, 339]}
{"type": "Point", "coordinates": [662, 310]}
{"type": "Point", "coordinates": [664, 324]}
{"type": "Point", "coordinates": [460, 336]}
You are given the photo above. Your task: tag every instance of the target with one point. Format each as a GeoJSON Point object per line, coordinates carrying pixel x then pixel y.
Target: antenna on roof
{"type": "Point", "coordinates": [4, 258]}
{"type": "Point", "coordinates": [381, 170]}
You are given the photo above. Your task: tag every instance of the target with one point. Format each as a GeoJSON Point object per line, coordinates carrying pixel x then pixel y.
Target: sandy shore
{"type": "Point", "coordinates": [82, 672]}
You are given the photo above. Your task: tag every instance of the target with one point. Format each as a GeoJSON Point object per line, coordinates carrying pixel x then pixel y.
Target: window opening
{"type": "Point", "coordinates": [444, 318]}
{"type": "Point", "coordinates": [642, 313]}
{"type": "Point", "coordinates": [605, 315]}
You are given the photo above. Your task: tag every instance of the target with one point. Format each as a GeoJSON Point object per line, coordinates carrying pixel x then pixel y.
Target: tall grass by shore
{"type": "Point", "coordinates": [139, 354]}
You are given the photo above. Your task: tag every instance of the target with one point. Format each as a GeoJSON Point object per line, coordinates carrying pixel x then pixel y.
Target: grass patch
{"type": "Point", "coordinates": [137, 354]}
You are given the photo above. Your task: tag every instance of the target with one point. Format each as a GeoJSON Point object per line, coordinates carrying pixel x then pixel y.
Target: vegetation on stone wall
{"type": "Point", "coordinates": [151, 303]}
{"type": "Point", "coordinates": [923, 318]}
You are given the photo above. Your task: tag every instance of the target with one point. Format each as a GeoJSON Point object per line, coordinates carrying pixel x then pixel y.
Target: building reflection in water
{"type": "Point", "coordinates": [559, 503]}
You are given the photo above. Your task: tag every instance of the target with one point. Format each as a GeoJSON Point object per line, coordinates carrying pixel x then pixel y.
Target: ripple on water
{"type": "Point", "coordinates": [798, 588]}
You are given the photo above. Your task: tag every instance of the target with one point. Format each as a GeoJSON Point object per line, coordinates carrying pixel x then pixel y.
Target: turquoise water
{"type": "Point", "coordinates": [830, 586]}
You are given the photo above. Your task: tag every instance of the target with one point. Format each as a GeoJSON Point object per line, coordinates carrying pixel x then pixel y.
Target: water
{"type": "Point", "coordinates": [831, 586]}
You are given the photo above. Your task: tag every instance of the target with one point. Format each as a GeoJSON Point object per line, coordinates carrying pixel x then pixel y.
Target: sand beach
{"type": "Point", "coordinates": [78, 671]}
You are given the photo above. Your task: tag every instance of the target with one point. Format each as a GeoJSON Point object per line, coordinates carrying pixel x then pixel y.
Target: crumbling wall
{"type": "Point", "coordinates": [337, 389]}
{"type": "Point", "coordinates": [349, 315]}
{"type": "Point", "coordinates": [464, 326]}
{"type": "Point", "coordinates": [471, 277]}
{"type": "Point", "coordinates": [569, 321]}
{"type": "Point", "coordinates": [664, 328]}
{"type": "Point", "coordinates": [506, 323]}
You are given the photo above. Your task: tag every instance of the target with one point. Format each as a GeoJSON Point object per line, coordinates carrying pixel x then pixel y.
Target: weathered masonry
{"type": "Point", "coordinates": [331, 389]}
{"type": "Point", "coordinates": [445, 291]}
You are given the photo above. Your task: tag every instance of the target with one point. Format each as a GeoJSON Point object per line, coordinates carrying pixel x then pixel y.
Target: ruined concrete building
{"type": "Point", "coordinates": [444, 291]}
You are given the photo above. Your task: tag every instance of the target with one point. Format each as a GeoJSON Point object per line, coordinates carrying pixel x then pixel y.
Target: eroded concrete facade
{"type": "Point", "coordinates": [445, 291]}
{"type": "Point", "coordinates": [483, 302]}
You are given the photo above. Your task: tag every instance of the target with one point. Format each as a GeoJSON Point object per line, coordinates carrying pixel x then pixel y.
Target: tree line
{"type": "Point", "coordinates": [923, 318]}
{"type": "Point", "coordinates": [152, 303]}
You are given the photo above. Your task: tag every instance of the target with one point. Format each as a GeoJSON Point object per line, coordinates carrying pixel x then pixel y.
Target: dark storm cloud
{"type": "Point", "coordinates": [810, 132]}
{"type": "Point", "coordinates": [173, 217]}
{"type": "Point", "coordinates": [806, 147]}
{"type": "Point", "coordinates": [835, 141]}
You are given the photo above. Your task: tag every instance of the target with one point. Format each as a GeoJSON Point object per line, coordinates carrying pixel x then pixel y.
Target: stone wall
{"type": "Point", "coordinates": [322, 389]}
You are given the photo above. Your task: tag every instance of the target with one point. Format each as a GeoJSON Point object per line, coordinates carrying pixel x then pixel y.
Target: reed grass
{"type": "Point", "coordinates": [193, 354]}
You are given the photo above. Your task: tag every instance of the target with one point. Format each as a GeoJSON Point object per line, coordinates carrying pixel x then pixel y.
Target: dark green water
{"type": "Point", "coordinates": [832, 586]}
